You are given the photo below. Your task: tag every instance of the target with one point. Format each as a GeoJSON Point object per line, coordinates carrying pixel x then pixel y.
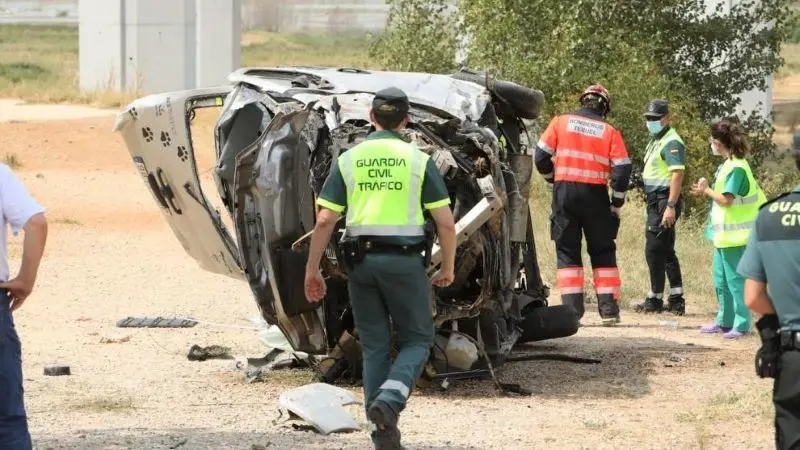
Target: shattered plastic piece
{"type": "Point", "coordinates": [155, 322]}
{"type": "Point", "coordinates": [669, 323]}
{"type": "Point", "coordinates": [54, 371]}
{"type": "Point", "coordinates": [180, 443]}
{"type": "Point", "coordinates": [261, 446]}
{"type": "Point", "coordinates": [445, 162]}
{"type": "Point", "coordinates": [110, 340]}
{"type": "Point", "coordinates": [674, 360]}
{"type": "Point", "coordinates": [197, 353]}
{"type": "Point", "coordinates": [321, 406]}
{"type": "Point", "coordinates": [276, 359]}
{"type": "Point", "coordinates": [272, 337]}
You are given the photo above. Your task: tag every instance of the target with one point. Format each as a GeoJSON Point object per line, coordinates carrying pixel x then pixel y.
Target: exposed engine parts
{"type": "Point", "coordinates": [280, 131]}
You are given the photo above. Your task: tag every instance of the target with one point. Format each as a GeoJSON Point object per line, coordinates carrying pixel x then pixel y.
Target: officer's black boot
{"type": "Point", "coordinates": [387, 435]}
{"type": "Point", "coordinates": [650, 305]}
{"type": "Point", "coordinates": [676, 305]}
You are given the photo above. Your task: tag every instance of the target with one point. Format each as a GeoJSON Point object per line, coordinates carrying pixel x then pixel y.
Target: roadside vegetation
{"type": "Point", "coordinates": [40, 63]}
{"type": "Point", "coordinates": [640, 51]}
{"type": "Point", "coordinates": [645, 50]}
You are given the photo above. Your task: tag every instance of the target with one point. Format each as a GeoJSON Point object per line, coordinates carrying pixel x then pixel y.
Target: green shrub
{"type": "Point", "coordinates": [638, 49]}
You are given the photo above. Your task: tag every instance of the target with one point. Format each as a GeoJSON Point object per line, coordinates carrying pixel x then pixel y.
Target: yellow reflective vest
{"type": "Point", "coordinates": [731, 225]}
{"type": "Point", "coordinates": [656, 173]}
{"type": "Point", "coordinates": [384, 188]}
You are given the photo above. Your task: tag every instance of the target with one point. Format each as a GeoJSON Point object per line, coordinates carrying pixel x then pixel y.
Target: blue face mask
{"type": "Point", "coordinates": [654, 126]}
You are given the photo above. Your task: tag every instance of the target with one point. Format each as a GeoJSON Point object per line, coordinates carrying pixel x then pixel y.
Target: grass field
{"type": "Point", "coordinates": [40, 64]}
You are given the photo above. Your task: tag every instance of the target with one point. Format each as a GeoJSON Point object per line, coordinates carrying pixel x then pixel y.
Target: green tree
{"type": "Point", "coordinates": [639, 49]}
{"type": "Point", "coordinates": [422, 37]}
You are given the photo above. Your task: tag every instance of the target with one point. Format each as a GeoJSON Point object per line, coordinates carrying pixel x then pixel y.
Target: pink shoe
{"type": "Point", "coordinates": [714, 328]}
{"type": "Point", "coordinates": [733, 334]}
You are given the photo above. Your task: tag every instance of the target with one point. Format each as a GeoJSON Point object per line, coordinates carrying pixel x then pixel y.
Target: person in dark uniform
{"type": "Point", "coordinates": [386, 185]}
{"type": "Point", "coordinates": [581, 153]}
{"type": "Point", "coordinates": [772, 260]}
{"type": "Point", "coordinates": [664, 167]}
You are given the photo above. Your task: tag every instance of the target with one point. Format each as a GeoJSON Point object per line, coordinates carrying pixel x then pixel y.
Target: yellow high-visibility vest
{"type": "Point", "coordinates": [731, 225]}
{"type": "Point", "coordinates": [656, 173]}
{"type": "Point", "coordinates": [384, 188]}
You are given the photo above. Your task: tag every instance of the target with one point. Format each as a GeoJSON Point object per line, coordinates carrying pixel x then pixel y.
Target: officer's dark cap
{"type": "Point", "coordinates": [656, 109]}
{"type": "Point", "coordinates": [390, 100]}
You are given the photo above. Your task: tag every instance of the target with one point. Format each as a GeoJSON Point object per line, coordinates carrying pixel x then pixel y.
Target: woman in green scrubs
{"type": "Point", "coordinates": [735, 199]}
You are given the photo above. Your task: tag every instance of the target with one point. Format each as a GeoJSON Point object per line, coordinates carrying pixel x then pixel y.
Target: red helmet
{"type": "Point", "coordinates": [600, 91]}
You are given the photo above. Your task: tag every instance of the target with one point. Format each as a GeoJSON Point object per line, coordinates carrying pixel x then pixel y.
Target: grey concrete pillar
{"type": "Point", "coordinates": [160, 45]}
{"type": "Point", "coordinates": [102, 45]}
{"type": "Point", "coordinates": [150, 46]}
{"type": "Point", "coordinates": [219, 37]}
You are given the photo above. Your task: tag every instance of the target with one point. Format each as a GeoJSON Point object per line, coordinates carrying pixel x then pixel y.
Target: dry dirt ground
{"type": "Point", "coordinates": [111, 255]}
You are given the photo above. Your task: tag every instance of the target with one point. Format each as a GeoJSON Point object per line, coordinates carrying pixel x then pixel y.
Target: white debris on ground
{"type": "Point", "coordinates": [271, 336]}
{"type": "Point", "coordinates": [321, 405]}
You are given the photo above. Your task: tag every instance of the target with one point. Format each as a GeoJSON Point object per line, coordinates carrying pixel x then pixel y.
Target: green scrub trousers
{"type": "Point", "coordinates": [730, 289]}
{"type": "Point", "coordinates": [394, 287]}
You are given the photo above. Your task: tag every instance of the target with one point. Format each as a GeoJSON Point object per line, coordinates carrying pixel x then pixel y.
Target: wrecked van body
{"type": "Point", "coordinates": [277, 134]}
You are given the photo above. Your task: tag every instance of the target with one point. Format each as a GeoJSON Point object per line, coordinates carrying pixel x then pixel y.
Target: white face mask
{"type": "Point", "coordinates": [714, 150]}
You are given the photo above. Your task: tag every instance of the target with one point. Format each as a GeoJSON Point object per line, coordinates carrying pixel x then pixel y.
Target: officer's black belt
{"type": "Point", "coordinates": [383, 247]}
{"type": "Point", "coordinates": [790, 340]}
{"type": "Point", "coordinates": [657, 196]}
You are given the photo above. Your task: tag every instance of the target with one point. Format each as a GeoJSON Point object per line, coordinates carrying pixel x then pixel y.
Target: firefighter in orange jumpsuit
{"type": "Point", "coordinates": [578, 153]}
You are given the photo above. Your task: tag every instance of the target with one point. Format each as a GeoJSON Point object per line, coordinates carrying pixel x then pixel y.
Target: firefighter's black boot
{"type": "Point", "coordinates": [608, 309]}
{"type": "Point", "coordinates": [650, 305]}
{"type": "Point", "coordinates": [576, 301]}
{"type": "Point", "coordinates": [676, 305]}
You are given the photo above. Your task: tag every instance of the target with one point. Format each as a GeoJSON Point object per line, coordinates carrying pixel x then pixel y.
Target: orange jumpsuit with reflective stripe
{"type": "Point", "coordinates": [580, 153]}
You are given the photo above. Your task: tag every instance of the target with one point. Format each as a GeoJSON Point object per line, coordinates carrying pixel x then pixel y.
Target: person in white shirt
{"type": "Point", "coordinates": [22, 212]}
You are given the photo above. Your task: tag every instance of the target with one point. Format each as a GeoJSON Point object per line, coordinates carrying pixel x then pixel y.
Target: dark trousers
{"type": "Point", "coordinates": [786, 398]}
{"type": "Point", "coordinates": [391, 290]}
{"type": "Point", "coordinates": [585, 210]}
{"type": "Point", "coordinates": [660, 248]}
{"type": "Point", "coordinates": [13, 421]}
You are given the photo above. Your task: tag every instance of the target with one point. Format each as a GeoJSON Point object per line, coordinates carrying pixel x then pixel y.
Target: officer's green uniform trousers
{"type": "Point", "coordinates": [386, 288]}
{"type": "Point", "coordinates": [730, 289]}
{"type": "Point", "coordinates": [384, 183]}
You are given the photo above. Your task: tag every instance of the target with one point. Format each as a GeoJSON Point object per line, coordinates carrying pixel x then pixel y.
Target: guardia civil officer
{"type": "Point", "coordinates": [386, 184]}
{"type": "Point", "coordinates": [772, 259]}
{"type": "Point", "coordinates": [664, 166]}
